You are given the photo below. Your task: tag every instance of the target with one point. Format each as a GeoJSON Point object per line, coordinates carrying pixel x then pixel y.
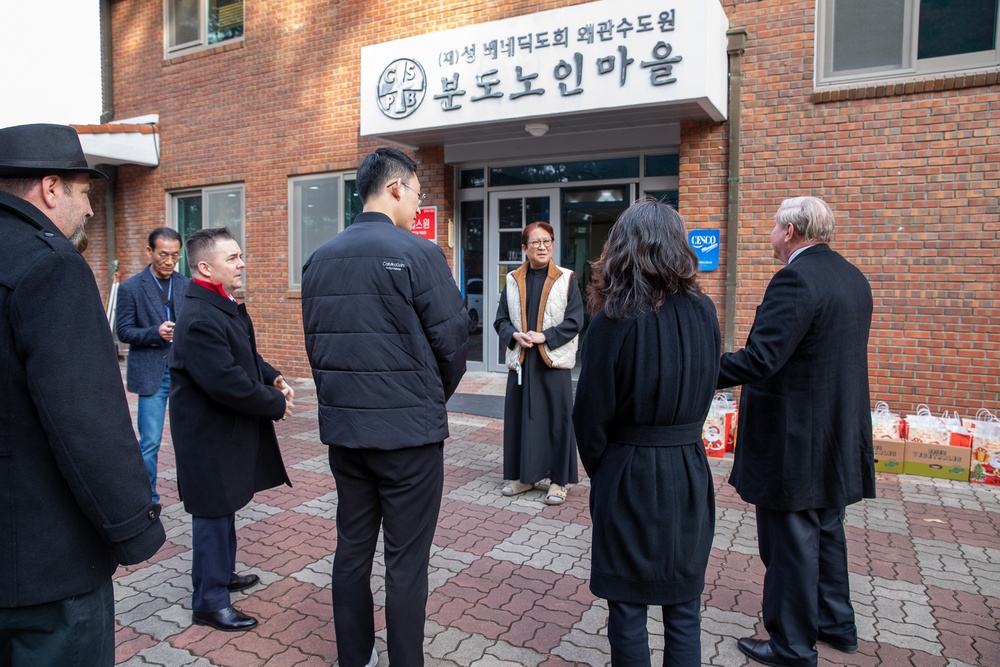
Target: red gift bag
{"type": "Point", "coordinates": [985, 430]}
{"type": "Point", "coordinates": [718, 430]}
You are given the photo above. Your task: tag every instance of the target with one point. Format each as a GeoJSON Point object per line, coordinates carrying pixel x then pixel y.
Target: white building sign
{"type": "Point", "coordinates": [611, 54]}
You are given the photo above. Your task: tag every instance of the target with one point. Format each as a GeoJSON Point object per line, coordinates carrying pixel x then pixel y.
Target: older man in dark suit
{"type": "Point", "coordinates": [804, 445]}
{"type": "Point", "coordinates": [148, 303]}
{"type": "Point", "coordinates": [224, 399]}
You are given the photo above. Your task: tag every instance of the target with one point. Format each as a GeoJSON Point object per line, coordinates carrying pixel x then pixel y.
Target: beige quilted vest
{"type": "Point", "coordinates": [552, 311]}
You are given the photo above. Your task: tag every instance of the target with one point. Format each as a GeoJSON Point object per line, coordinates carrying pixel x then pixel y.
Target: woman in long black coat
{"type": "Point", "coordinates": [650, 361]}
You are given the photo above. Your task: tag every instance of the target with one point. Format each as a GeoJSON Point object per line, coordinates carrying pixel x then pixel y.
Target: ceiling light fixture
{"type": "Point", "coordinates": [536, 129]}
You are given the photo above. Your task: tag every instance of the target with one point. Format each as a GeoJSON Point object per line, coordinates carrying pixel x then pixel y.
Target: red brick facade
{"type": "Point", "coordinates": [914, 177]}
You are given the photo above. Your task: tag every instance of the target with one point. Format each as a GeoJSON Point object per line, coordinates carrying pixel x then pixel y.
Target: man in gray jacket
{"type": "Point", "coordinates": [148, 303]}
{"type": "Point", "coordinates": [386, 334]}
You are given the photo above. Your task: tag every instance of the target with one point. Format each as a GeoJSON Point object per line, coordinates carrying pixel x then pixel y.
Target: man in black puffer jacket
{"type": "Point", "coordinates": [386, 334]}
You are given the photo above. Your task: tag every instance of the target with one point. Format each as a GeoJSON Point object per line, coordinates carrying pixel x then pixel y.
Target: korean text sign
{"type": "Point", "coordinates": [598, 55]}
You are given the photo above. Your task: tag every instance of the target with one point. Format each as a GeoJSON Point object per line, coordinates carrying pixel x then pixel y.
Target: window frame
{"type": "Point", "coordinates": [199, 44]}
{"type": "Point", "coordinates": [295, 225]}
{"type": "Point", "coordinates": [911, 68]}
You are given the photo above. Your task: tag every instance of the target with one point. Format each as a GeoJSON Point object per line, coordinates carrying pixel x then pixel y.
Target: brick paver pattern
{"type": "Point", "coordinates": [509, 576]}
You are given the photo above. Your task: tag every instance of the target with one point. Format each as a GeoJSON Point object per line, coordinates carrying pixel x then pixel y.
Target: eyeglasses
{"type": "Point", "coordinates": [421, 196]}
{"type": "Point", "coordinates": [538, 243]}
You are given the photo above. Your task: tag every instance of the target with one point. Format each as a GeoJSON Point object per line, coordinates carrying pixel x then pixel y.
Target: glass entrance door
{"type": "Point", "coordinates": [509, 213]}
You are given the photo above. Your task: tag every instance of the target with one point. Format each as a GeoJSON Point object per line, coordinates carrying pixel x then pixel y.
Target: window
{"type": "Point", "coordinates": [318, 208]}
{"type": "Point", "coordinates": [471, 178]}
{"type": "Point", "coordinates": [470, 270]}
{"type": "Point", "coordinates": [864, 40]}
{"type": "Point", "coordinates": [564, 172]}
{"type": "Point", "coordinates": [192, 210]}
{"type": "Point", "coordinates": [194, 24]}
{"type": "Point", "coordinates": [663, 165]}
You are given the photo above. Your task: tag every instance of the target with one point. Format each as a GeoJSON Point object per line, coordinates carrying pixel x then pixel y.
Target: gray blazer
{"type": "Point", "coordinates": [139, 316]}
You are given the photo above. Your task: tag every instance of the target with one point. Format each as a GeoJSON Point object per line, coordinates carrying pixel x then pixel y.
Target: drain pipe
{"type": "Point", "coordinates": [107, 80]}
{"type": "Point", "coordinates": [108, 114]}
{"type": "Point", "coordinates": [737, 44]}
{"type": "Point", "coordinates": [110, 186]}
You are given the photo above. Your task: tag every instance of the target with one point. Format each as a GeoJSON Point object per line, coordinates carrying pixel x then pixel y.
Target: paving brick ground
{"type": "Point", "coordinates": [509, 576]}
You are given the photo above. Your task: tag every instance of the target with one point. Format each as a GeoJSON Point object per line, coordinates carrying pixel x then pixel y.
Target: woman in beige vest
{"type": "Point", "coordinates": [539, 320]}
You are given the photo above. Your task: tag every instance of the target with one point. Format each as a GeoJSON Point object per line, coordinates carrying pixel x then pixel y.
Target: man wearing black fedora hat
{"type": "Point", "coordinates": [74, 494]}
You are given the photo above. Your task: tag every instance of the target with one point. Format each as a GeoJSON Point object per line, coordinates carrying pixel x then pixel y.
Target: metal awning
{"type": "Point", "coordinates": [133, 141]}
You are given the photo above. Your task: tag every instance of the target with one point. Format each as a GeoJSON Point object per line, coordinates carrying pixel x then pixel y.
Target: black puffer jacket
{"type": "Point", "coordinates": [386, 334]}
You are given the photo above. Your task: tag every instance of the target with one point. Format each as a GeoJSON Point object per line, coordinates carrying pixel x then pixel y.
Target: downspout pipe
{"type": "Point", "coordinates": [737, 44]}
{"type": "Point", "coordinates": [107, 80]}
{"type": "Point", "coordinates": [107, 115]}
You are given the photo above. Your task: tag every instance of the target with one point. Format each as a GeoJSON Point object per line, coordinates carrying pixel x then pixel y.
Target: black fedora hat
{"type": "Point", "coordinates": [40, 149]}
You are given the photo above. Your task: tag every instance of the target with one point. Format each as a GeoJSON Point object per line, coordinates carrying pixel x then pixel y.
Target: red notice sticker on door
{"type": "Point", "coordinates": [425, 224]}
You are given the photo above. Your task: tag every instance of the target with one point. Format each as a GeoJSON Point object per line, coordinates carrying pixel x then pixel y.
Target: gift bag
{"type": "Point", "coordinates": [731, 440]}
{"type": "Point", "coordinates": [718, 427]}
{"type": "Point", "coordinates": [925, 428]}
{"type": "Point", "coordinates": [886, 425]}
{"type": "Point", "coordinates": [958, 435]}
{"type": "Point", "coordinates": [985, 430]}
{"type": "Point", "coordinates": [888, 431]}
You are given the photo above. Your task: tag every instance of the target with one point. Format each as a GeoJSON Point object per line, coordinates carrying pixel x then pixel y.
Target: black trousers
{"type": "Point", "coordinates": [629, 638]}
{"type": "Point", "coordinates": [75, 632]}
{"type": "Point", "coordinates": [399, 490]}
{"type": "Point", "coordinates": [806, 586]}
{"type": "Point", "coordinates": [213, 545]}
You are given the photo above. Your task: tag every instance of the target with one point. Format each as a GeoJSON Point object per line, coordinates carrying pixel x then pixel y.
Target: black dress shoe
{"type": "Point", "coordinates": [759, 650]}
{"type": "Point", "coordinates": [839, 644]}
{"type": "Point", "coordinates": [238, 583]}
{"type": "Point", "coordinates": [227, 619]}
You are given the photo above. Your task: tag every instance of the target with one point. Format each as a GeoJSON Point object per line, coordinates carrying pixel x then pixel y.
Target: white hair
{"type": "Point", "coordinates": [810, 216]}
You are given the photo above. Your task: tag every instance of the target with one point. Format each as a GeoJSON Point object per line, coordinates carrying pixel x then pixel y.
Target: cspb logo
{"type": "Point", "coordinates": [705, 243]}
{"type": "Point", "coordinates": [401, 88]}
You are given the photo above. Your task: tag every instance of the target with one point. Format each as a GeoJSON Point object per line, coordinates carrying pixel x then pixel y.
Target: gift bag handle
{"type": "Point", "coordinates": [985, 415]}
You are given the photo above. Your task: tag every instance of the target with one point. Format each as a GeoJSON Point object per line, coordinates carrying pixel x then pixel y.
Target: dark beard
{"type": "Point", "coordinates": [79, 239]}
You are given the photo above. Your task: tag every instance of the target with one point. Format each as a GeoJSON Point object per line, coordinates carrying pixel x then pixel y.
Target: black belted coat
{"type": "Point", "coordinates": [644, 392]}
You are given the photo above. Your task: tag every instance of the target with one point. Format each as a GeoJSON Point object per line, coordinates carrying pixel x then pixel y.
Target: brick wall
{"type": "Point", "coordinates": [96, 253]}
{"type": "Point", "coordinates": [914, 177]}
{"type": "Point", "coordinates": [283, 102]}
{"type": "Point", "coordinates": [914, 180]}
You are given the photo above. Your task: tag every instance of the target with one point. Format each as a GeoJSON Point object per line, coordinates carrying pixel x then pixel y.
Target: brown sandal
{"type": "Point", "coordinates": [515, 487]}
{"type": "Point", "coordinates": [556, 495]}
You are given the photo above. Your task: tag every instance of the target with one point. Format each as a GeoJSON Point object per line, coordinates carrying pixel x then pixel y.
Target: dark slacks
{"type": "Point", "coordinates": [213, 561]}
{"type": "Point", "coordinates": [399, 490]}
{"type": "Point", "coordinates": [806, 586]}
{"type": "Point", "coordinates": [629, 638]}
{"type": "Point", "coordinates": [75, 632]}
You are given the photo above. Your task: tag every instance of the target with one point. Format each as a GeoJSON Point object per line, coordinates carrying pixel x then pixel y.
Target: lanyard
{"type": "Point", "coordinates": [166, 298]}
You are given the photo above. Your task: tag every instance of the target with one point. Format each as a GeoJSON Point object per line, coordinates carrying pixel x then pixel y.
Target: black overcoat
{"type": "Point", "coordinates": [222, 407]}
{"type": "Point", "coordinates": [644, 391]}
{"type": "Point", "coordinates": [74, 493]}
{"type": "Point", "coordinates": [804, 439]}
